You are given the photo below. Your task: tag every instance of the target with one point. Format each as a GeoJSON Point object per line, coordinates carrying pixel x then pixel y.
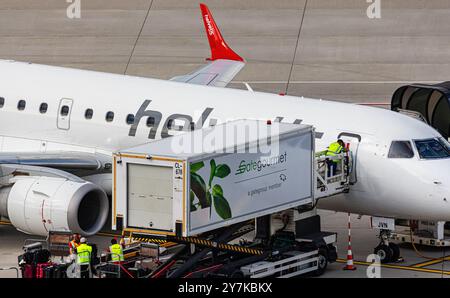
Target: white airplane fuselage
{"type": "Point", "coordinates": [410, 188]}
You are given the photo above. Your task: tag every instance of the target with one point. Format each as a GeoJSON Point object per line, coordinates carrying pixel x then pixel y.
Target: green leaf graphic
{"type": "Point", "coordinates": [197, 166]}
{"type": "Point", "coordinates": [192, 197]}
{"type": "Point", "coordinates": [213, 170]}
{"type": "Point", "coordinates": [208, 198]}
{"type": "Point", "coordinates": [222, 171]}
{"type": "Point", "coordinates": [222, 207]}
{"type": "Point", "coordinates": [217, 190]}
{"type": "Point", "coordinates": [198, 186]}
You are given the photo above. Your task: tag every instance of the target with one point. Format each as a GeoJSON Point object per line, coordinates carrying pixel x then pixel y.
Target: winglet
{"type": "Point", "coordinates": [219, 48]}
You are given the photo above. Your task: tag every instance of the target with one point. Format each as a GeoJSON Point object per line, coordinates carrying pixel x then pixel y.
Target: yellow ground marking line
{"type": "Point", "coordinates": [407, 268]}
{"type": "Point", "coordinates": [5, 223]}
{"type": "Point", "coordinates": [431, 262]}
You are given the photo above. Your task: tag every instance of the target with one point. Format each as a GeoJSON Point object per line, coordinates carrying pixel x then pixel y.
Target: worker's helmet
{"type": "Point", "coordinates": [83, 240]}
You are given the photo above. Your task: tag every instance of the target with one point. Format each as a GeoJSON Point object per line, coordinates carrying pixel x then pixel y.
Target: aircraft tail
{"type": "Point", "coordinates": [219, 48]}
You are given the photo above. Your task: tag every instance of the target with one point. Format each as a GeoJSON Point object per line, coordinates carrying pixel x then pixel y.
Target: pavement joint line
{"type": "Point", "coordinates": [296, 46]}
{"type": "Point", "coordinates": [406, 268]}
{"type": "Point", "coordinates": [139, 36]}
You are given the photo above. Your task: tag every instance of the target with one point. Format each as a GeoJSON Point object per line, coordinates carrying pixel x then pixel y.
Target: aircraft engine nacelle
{"type": "Point", "coordinates": [38, 204]}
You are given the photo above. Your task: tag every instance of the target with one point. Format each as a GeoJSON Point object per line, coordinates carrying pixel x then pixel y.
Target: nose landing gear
{"type": "Point", "coordinates": [388, 252]}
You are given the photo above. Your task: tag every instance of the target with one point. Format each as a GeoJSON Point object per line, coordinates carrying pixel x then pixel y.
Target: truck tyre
{"type": "Point", "coordinates": [322, 262]}
{"type": "Point", "coordinates": [384, 252]}
{"type": "Point", "coordinates": [395, 251]}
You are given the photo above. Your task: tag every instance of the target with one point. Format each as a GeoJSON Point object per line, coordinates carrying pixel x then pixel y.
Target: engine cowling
{"type": "Point", "coordinates": [38, 204]}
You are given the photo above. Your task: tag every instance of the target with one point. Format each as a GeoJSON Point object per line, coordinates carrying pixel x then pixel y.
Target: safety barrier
{"type": "Point", "coordinates": [199, 241]}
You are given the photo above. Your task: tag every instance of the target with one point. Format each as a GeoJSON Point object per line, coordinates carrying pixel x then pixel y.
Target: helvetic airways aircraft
{"type": "Point", "coordinates": [59, 126]}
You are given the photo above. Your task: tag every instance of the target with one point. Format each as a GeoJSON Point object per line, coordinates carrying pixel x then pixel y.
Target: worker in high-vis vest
{"type": "Point", "coordinates": [116, 251]}
{"type": "Point", "coordinates": [84, 252]}
{"type": "Point", "coordinates": [334, 149]}
{"type": "Point", "coordinates": [73, 244]}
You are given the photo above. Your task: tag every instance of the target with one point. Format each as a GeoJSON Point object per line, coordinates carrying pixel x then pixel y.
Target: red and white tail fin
{"type": "Point", "coordinates": [219, 48]}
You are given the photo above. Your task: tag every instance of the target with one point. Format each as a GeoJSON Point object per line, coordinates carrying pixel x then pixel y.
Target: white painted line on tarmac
{"type": "Point", "coordinates": [338, 82]}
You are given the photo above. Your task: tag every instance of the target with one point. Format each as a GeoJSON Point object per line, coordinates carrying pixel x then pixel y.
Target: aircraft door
{"type": "Point", "coordinates": [64, 111]}
{"type": "Point", "coordinates": [353, 141]}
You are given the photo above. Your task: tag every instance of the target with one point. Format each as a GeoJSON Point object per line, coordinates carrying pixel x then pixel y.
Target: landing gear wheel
{"type": "Point", "coordinates": [395, 251]}
{"type": "Point", "coordinates": [384, 252]}
{"type": "Point", "coordinates": [322, 262]}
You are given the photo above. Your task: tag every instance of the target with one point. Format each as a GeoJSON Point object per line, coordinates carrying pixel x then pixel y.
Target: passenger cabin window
{"type": "Point", "coordinates": [432, 149]}
{"type": "Point", "coordinates": [88, 114]}
{"type": "Point", "coordinates": [2, 102]}
{"type": "Point", "coordinates": [130, 119]}
{"type": "Point", "coordinates": [109, 116]}
{"type": "Point", "coordinates": [21, 105]}
{"type": "Point", "coordinates": [170, 123]}
{"type": "Point", "coordinates": [43, 108]}
{"type": "Point", "coordinates": [64, 110]}
{"type": "Point", "coordinates": [401, 149]}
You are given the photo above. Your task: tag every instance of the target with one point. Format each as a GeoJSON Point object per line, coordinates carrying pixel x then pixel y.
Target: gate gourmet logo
{"type": "Point", "coordinates": [259, 165]}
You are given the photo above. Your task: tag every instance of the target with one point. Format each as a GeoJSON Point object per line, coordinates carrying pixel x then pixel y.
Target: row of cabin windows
{"type": "Point", "coordinates": [88, 114]}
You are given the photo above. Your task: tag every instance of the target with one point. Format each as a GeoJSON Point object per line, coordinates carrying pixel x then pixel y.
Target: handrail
{"type": "Point", "coordinates": [326, 184]}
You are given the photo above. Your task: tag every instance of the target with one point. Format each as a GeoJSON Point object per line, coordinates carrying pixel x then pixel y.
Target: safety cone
{"type": "Point", "coordinates": [349, 265]}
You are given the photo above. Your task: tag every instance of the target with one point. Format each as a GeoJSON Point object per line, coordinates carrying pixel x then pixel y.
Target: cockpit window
{"type": "Point", "coordinates": [432, 148]}
{"type": "Point", "coordinates": [444, 143]}
{"type": "Point", "coordinates": [401, 149]}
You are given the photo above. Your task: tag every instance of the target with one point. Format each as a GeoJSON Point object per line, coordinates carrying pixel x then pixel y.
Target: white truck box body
{"type": "Point", "coordinates": [206, 179]}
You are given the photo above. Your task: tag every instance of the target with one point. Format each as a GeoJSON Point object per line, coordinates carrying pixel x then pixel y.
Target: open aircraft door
{"type": "Point", "coordinates": [353, 140]}
{"type": "Point", "coordinates": [430, 103]}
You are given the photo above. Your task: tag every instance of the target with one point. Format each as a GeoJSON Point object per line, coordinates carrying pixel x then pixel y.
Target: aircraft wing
{"type": "Point", "coordinates": [217, 73]}
{"type": "Point", "coordinates": [225, 63]}
{"type": "Point", "coordinates": [77, 163]}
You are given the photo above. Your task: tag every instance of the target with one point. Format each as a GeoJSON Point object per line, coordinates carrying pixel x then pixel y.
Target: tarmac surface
{"type": "Point", "coordinates": [313, 48]}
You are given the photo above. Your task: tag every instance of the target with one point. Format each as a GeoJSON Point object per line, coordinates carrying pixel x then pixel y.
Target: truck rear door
{"type": "Point", "coordinates": [150, 197]}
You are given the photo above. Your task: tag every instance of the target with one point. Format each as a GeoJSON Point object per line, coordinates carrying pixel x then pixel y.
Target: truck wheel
{"type": "Point", "coordinates": [322, 262]}
{"type": "Point", "coordinates": [384, 252]}
{"type": "Point", "coordinates": [395, 251]}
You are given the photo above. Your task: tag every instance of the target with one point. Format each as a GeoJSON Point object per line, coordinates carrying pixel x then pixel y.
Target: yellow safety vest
{"type": "Point", "coordinates": [84, 254]}
{"type": "Point", "coordinates": [116, 252]}
{"type": "Point", "coordinates": [334, 149]}
{"type": "Point", "coordinates": [73, 246]}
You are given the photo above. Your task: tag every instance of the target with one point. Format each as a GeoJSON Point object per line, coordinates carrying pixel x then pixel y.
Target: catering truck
{"type": "Point", "coordinates": [207, 187]}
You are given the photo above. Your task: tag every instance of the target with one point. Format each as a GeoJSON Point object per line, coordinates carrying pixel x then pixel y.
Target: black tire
{"type": "Point", "coordinates": [322, 263]}
{"type": "Point", "coordinates": [395, 252]}
{"type": "Point", "coordinates": [384, 252]}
